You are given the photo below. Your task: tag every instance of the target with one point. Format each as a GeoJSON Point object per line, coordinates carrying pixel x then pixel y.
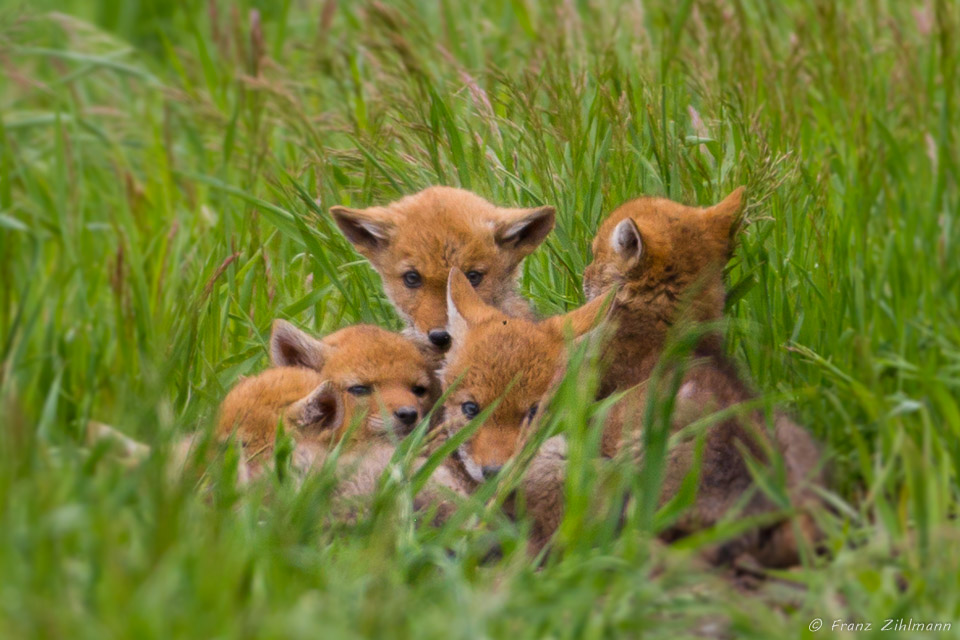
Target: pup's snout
{"type": "Point", "coordinates": [490, 470]}
{"type": "Point", "coordinates": [406, 415]}
{"type": "Point", "coordinates": [439, 338]}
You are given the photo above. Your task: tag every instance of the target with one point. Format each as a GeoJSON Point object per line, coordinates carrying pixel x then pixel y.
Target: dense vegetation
{"type": "Point", "coordinates": [165, 169]}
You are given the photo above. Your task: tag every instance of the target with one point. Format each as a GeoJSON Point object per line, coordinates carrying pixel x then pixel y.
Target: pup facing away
{"type": "Point", "coordinates": [667, 261]}
{"type": "Point", "coordinates": [318, 388]}
{"type": "Point", "coordinates": [414, 242]}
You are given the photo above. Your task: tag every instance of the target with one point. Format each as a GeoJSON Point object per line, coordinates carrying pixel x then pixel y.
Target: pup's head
{"type": "Point", "coordinates": [653, 242]}
{"type": "Point", "coordinates": [414, 242]}
{"type": "Point", "coordinates": [309, 406]}
{"type": "Point", "coordinates": [496, 357]}
{"type": "Point", "coordinates": [373, 372]}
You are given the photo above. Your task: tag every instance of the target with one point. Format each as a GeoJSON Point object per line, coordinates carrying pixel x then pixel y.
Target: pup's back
{"type": "Point", "coordinates": [668, 259]}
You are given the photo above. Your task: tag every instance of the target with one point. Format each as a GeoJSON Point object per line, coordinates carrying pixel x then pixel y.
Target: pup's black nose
{"type": "Point", "coordinates": [439, 338]}
{"type": "Point", "coordinates": [406, 415]}
{"type": "Point", "coordinates": [490, 470]}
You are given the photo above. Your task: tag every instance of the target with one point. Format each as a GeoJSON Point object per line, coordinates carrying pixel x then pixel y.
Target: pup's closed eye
{"type": "Point", "coordinates": [359, 390]}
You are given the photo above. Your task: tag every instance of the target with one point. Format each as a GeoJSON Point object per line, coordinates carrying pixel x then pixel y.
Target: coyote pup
{"type": "Point", "coordinates": [318, 388]}
{"type": "Point", "coordinates": [414, 242]}
{"type": "Point", "coordinates": [667, 260]}
{"type": "Point", "coordinates": [498, 359]}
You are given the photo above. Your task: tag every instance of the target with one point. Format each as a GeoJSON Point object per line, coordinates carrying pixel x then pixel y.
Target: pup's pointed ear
{"type": "Point", "coordinates": [369, 230]}
{"type": "Point", "coordinates": [465, 309]}
{"type": "Point", "coordinates": [627, 241]}
{"type": "Point", "coordinates": [291, 347]}
{"type": "Point", "coordinates": [321, 409]}
{"type": "Point", "coordinates": [581, 320]}
{"type": "Point", "coordinates": [522, 230]}
{"type": "Point", "coordinates": [726, 213]}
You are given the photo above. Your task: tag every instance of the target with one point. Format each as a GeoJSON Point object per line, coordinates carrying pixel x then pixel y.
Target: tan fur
{"type": "Point", "coordinates": [542, 488]}
{"type": "Point", "coordinates": [317, 409]}
{"type": "Point", "coordinates": [683, 251]}
{"type": "Point", "coordinates": [667, 261]}
{"type": "Point", "coordinates": [498, 358]}
{"type": "Point", "coordinates": [390, 365]}
{"type": "Point", "coordinates": [257, 405]}
{"type": "Point", "coordinates": [435, 230]}
{"type": "Point", "coordinates": [359, 471]}
{"type": "Point", "coordinates": [314, 401]}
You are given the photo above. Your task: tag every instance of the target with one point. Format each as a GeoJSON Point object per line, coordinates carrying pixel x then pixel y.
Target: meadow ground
{"type": "Point", "coordinates": [165, 169]}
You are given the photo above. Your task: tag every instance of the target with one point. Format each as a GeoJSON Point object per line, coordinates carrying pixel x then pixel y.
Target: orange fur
{"type": "Point", "coordinates": [496, 358]}
{"type": "Point", "coordinates": [396, 374]}
{"type": "Point", "coordinates": [676, 266]}
{"type": "Point", "coordinates": [435, 230]}
{"type": "Point", "coordinates": [667, 260]}
{"type": "Point", "coordinates": [257, 405]}
{"type": "Point", "coordinates": [309, 393]}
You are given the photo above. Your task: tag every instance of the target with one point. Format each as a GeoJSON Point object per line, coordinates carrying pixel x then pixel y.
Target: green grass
{"type": "Point", "coordinates": [164, 173]}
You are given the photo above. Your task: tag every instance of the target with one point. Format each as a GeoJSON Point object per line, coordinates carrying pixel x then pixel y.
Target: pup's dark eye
{"type": "Point", "coordinates": [412, 279]}
{"type": "Point", "coordinates": [532, 412]}
{"type": "Point", "coordinates": [470, 409]}
{"type": "Point", "coordinates": [475, 277]}
{"type": "Point", "coordinates": [359, 390]}
{"type": "Point", "coordinates": [419, 390]}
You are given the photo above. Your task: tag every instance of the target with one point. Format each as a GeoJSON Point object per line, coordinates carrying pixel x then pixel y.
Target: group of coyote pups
{"type": "Point", "coordinates": [448, 260]}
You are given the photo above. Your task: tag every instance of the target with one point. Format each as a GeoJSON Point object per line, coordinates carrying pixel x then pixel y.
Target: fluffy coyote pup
{"type": "Point", "coordinates": [498, 358]}
{"type": "Point", "coordinates": [414, 242]}
{"type": "Point", "coordinates": [667, 260]}
{"type": "Point", "coordinates": [319, 387]}
{"type": "Point", "coordinates": [515, 362]}
{"type": "Point", "coordinates": [369, 369]}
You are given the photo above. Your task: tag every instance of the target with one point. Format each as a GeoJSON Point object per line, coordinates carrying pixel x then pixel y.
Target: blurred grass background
{"type": "Point", "coordinates": [165, 169]}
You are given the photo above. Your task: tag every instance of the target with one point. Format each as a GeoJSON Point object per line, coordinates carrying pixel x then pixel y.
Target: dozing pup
{"type": "Point", "coordinates": [667, 260]}
{"type": "Point", "coordinates": [320, 388]}
{"type": "Point", "coordinates": [373, 371]}
{"type": "Point", "coordinates": [317, 391]}
{"type": "Point", "coordinates": [414, 242]}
